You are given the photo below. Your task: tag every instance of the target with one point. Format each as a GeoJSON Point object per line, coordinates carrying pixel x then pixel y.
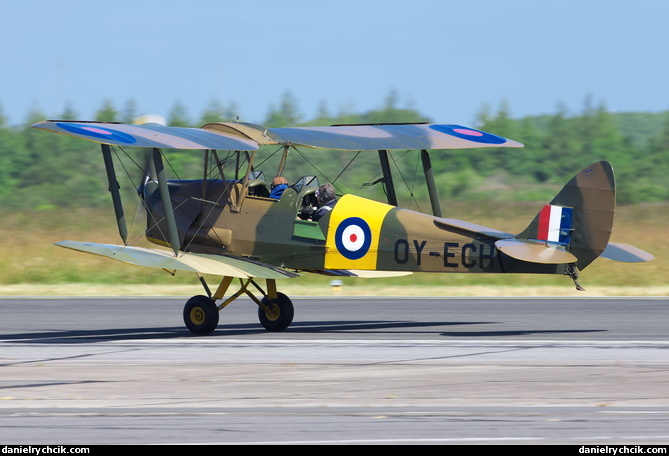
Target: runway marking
{"type": "Point", "coordinates": [221, 340]}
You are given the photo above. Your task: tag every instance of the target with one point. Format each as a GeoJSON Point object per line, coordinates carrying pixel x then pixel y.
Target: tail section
{"type": "Point", "coordinates": [580, 219]}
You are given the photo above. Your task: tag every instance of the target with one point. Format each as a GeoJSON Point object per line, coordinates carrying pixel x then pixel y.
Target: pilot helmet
{"type": "Point", "coordinates": [325, 193]}
{"type": "Point", "coordinates": [279, 181]}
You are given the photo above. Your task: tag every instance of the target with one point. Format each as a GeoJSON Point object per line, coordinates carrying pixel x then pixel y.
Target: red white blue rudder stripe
{"type": "Point", "coordinates": [555, 224]}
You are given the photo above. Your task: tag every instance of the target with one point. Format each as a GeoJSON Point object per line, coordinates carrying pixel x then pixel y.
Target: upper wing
{"type": "Point", "coordinates": [148, 135]}
{"type": "Point", "coordinates": [193, 262]}
{"type": "Point", "coordinates": [389, 137]}
{"type": "Point", "coordinates": [244, 136]}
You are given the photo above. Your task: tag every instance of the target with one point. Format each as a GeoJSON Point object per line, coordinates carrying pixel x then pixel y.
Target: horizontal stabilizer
{"type": "Point", "coordinates": [148, 135]}
{"type": "Point", "coordinates": [470, 229]}
{"type": "Point", "coordinates": [192, 262]}
{"type": "Point", "coordinates": [535, 251]}
{"type": "Point", "coordinates": [625, 253]}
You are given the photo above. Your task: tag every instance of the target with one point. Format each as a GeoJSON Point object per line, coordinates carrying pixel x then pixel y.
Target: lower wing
{"type": "Point", "coordinates": [192, 262]}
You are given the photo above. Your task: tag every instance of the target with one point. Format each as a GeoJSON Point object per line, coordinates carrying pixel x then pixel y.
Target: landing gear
{"type": "Point", "coordinates": [275, 310]}
{"type": "Point", "coordinates": [201, 315]}
{"type": "Point", "coordinates": [276, 314]}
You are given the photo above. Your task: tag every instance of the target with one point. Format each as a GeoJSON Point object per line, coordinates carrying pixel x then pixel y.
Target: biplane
{"type": "Point", "coordinates": [226, 224]}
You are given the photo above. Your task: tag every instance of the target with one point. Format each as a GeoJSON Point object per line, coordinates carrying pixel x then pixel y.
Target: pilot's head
{"type": "Point", "coordinates": [279, 181]}
{"type": "Point", "coordinates": [325, 193]}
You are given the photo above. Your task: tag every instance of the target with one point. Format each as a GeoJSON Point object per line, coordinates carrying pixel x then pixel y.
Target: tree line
{"type": "Point", "coordinates": [40, 170]}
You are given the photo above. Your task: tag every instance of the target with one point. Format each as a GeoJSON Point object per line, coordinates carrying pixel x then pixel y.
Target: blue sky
{"type": "Point", "coordinates": [446, 59]}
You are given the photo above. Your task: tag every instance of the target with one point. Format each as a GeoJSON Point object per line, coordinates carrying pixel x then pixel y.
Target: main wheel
{"type": "Point", "coordinates": [280, 313]}
{"type": "Point", "coordinates": [201, 315]}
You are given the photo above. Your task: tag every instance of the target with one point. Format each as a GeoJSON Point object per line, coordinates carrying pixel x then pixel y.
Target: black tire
{"type": "Point", "coordinates": [201, 315]}
{"type": "Point", "coordinates": [281, 315]}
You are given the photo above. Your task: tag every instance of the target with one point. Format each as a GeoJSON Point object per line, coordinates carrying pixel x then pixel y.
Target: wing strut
{"type": "Point", "coordinates": [431, 186]}
{"type": "Point", "coordinates": [387, 178]}
{"type": "Point", "coordinates": [114, 190]}
{"type": "Point", "coordinates": [167, 202]}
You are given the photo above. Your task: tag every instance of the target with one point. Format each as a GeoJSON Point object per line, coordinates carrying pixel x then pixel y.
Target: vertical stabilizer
{"type": "Point", "coordinates": [580, 217]}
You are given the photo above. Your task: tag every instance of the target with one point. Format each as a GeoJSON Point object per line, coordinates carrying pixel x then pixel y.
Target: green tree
{"type": "Point", "coordinates": [215, 111]}
{"type": "Point", "coordinates": [391, 112]}
{"type": "Point", "coordinates": [323, 116]}
{"type": "Point", "coordinates": [9, 150]}
{"type": "Point", "coordinates": [178, 115]}
{"type": "Point", "coordinates": [560, 147]}
{"type": "Point", "coordinates": [601, 139]}
{"type": "Point", "coordinates": [107, 113]}
{"type": "Point", "coordinates": [130, 111]}
{"type": "Point", "coordinates": [491, 161]}
{"type": "Point", "coordinates": [526, 162]}
{"type": "Point", "coordinates": [652, 168]}
{"type": "Point", "coordinates": [3, 119]}
{"type": "Point", "coordinates": [286, 114]}
{"type": "Point", "coordinates": [69, 113]}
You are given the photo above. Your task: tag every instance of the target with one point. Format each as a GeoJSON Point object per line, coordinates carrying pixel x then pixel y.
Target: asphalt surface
{"type": "Point", "coordinates": [372, 370]}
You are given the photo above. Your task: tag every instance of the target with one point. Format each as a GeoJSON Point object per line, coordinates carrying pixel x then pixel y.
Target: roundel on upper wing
{"type": "Point", "coordinates": [353, 238]}
{"type": "Point", "coordinates": [99, 132]}
{"type": "Point", "coordinates": [469, 134]}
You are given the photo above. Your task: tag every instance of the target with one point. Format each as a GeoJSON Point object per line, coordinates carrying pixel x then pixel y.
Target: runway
{"type": "Point", "coordinates": [372, 370]}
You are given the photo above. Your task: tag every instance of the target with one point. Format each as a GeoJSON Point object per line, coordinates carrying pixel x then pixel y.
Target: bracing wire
{"type": "Point", "coordinates": [346, 167]}
{"type": "Point", "coordinates": [325, 174]}
{"type": "Point", "coordinates": [411, 194]}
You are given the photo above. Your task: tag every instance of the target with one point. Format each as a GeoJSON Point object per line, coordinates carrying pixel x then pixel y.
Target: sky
{"type": "Point", "coordinates": [445, 59]}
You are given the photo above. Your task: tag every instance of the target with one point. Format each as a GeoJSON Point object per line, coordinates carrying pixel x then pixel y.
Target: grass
{"type": "Point", "coordinates": [32, 265]}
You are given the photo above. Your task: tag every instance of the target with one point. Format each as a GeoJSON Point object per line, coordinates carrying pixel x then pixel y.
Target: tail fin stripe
{"type": "Point", "coordinates": [555, 224]}
{"type": "Point", "coordinates": [544, 223]}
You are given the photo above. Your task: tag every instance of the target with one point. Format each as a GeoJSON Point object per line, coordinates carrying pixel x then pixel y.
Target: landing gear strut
{"type": "Point", "coordinates": [275, 310]}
